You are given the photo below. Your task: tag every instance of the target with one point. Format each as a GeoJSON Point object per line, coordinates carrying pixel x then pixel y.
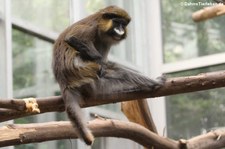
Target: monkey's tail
{"type": "Point", "coordinates": [74, 113]}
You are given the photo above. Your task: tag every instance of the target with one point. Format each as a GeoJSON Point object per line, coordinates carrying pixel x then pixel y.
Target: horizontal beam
{"type": "Point", "coordinates": [30, 29]}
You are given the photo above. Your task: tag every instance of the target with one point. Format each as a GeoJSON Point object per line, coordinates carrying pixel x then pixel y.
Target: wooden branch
{"type": "Point", "coordinates": [47, 104]}
{"type": "Point", "coordinates": [212, 140]}
{"type": "Point", "coordinates": [208, 12]}
{"type": "Point", "coordinates": [172, 86]}
{"type": "Point", "coordinates": [29, 133]}
{"type": "Point", "coordinates": [15, 134]}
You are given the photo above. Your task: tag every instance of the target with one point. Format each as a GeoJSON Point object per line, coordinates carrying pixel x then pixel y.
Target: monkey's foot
{"type": "Point", "coordinates": [161, 79]}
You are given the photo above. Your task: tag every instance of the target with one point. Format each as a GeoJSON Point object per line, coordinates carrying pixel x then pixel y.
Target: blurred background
{"type": "Point", "coordinates": [162, 38]}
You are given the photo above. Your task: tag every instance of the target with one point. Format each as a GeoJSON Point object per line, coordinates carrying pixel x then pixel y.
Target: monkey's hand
{"type": "Point", "coordinates": [103, 70]}
{"type": "Point", "coordinates": [87, 50]}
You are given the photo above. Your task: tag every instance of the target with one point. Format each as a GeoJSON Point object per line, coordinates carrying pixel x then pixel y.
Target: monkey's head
{"type": "Point", "coordinates": [113, 24]}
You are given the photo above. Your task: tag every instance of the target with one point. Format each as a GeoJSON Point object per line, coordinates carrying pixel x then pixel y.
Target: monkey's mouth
{"type": "Point", "coordinates": [117, 38]}
{"type": "Point", "coordinates": [118, 32]}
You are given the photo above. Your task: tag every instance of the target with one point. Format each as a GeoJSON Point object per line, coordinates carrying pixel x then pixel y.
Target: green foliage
{"type": "Point", "coordinates": [27, 120]}
{"type": "Point", "coordinates": [51, 14]}
{"type": "Point", "coordinates": [27, 146]}
{"type": "Point", "coordinates": [191, 114]}
{"type": "Point", "coordinates": [184, 39]}
{"type": "Point", "coordinates": [24, 66]}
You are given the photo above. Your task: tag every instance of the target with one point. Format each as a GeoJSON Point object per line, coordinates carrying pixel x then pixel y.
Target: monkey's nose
{"type": "Point", "coordinates": [119, 30]}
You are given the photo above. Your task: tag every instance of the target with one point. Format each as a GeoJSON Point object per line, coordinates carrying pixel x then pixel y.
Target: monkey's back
{"type": "Point", "coordinates": [68, 67]}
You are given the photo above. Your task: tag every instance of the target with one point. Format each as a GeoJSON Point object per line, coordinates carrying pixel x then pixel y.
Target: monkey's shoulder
{"type": "Point", "coordinates": [83, 31]}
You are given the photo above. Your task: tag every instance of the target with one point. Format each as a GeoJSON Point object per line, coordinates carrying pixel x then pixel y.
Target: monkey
{"type": "Point", "coordinates": [82, 70]}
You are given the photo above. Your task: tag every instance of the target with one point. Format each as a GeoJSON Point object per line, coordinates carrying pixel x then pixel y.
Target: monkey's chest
{"type": "Point", "coordinates": [79, 63]}
{"type": "Point", "coordinates": [85, 72]}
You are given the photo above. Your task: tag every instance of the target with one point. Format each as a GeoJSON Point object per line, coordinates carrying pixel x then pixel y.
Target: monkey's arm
{"type": "Point", "coordinates": [87, 50]}
{"type": "Point", "coordinates": [81, 38]}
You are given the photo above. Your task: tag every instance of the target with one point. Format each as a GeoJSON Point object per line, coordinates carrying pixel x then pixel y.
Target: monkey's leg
{"type": "Point", "coordinates": [116, 71]}
{"type": "Point", "coordinates": [123, 83]}
{"type": "Point", "coordinates": [119, 78]}
{"type": "Point", "coordinates": [139, 108]}
{"type": "Point", "coordinates": [74, 113]}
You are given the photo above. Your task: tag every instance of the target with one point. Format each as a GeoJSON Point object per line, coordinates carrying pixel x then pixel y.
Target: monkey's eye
{"type": "Point", "coordinates": [120, 21]}
{"type": "Point", "coordinates": [110, 16]}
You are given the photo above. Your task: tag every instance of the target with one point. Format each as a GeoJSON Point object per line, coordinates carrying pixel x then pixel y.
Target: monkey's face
{"type": "Point", "coordinates": [113, 25]}
{"type": "Point", "coordinates": [118, 27]}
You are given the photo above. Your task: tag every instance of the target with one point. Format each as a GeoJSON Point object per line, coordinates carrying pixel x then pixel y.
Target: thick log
{"type": "Point", "coordinates": [29, 133]}
{"type": "Point", "coordinates": [15, 134]}
{"type": "Point", "coordinates": [172, 86]}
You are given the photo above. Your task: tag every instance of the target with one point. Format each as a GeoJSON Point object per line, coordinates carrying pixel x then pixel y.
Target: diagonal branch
{"type": "Point", "coordinates": [212, 140]}
{"type": "Point", "coordinates": [172, 86]}
{"type": "Point", "coordinates": [208, 13]}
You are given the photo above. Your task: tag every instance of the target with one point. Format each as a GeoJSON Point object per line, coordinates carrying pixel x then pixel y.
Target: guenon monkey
{"type": "Point", "coordinates": [81, 67]}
